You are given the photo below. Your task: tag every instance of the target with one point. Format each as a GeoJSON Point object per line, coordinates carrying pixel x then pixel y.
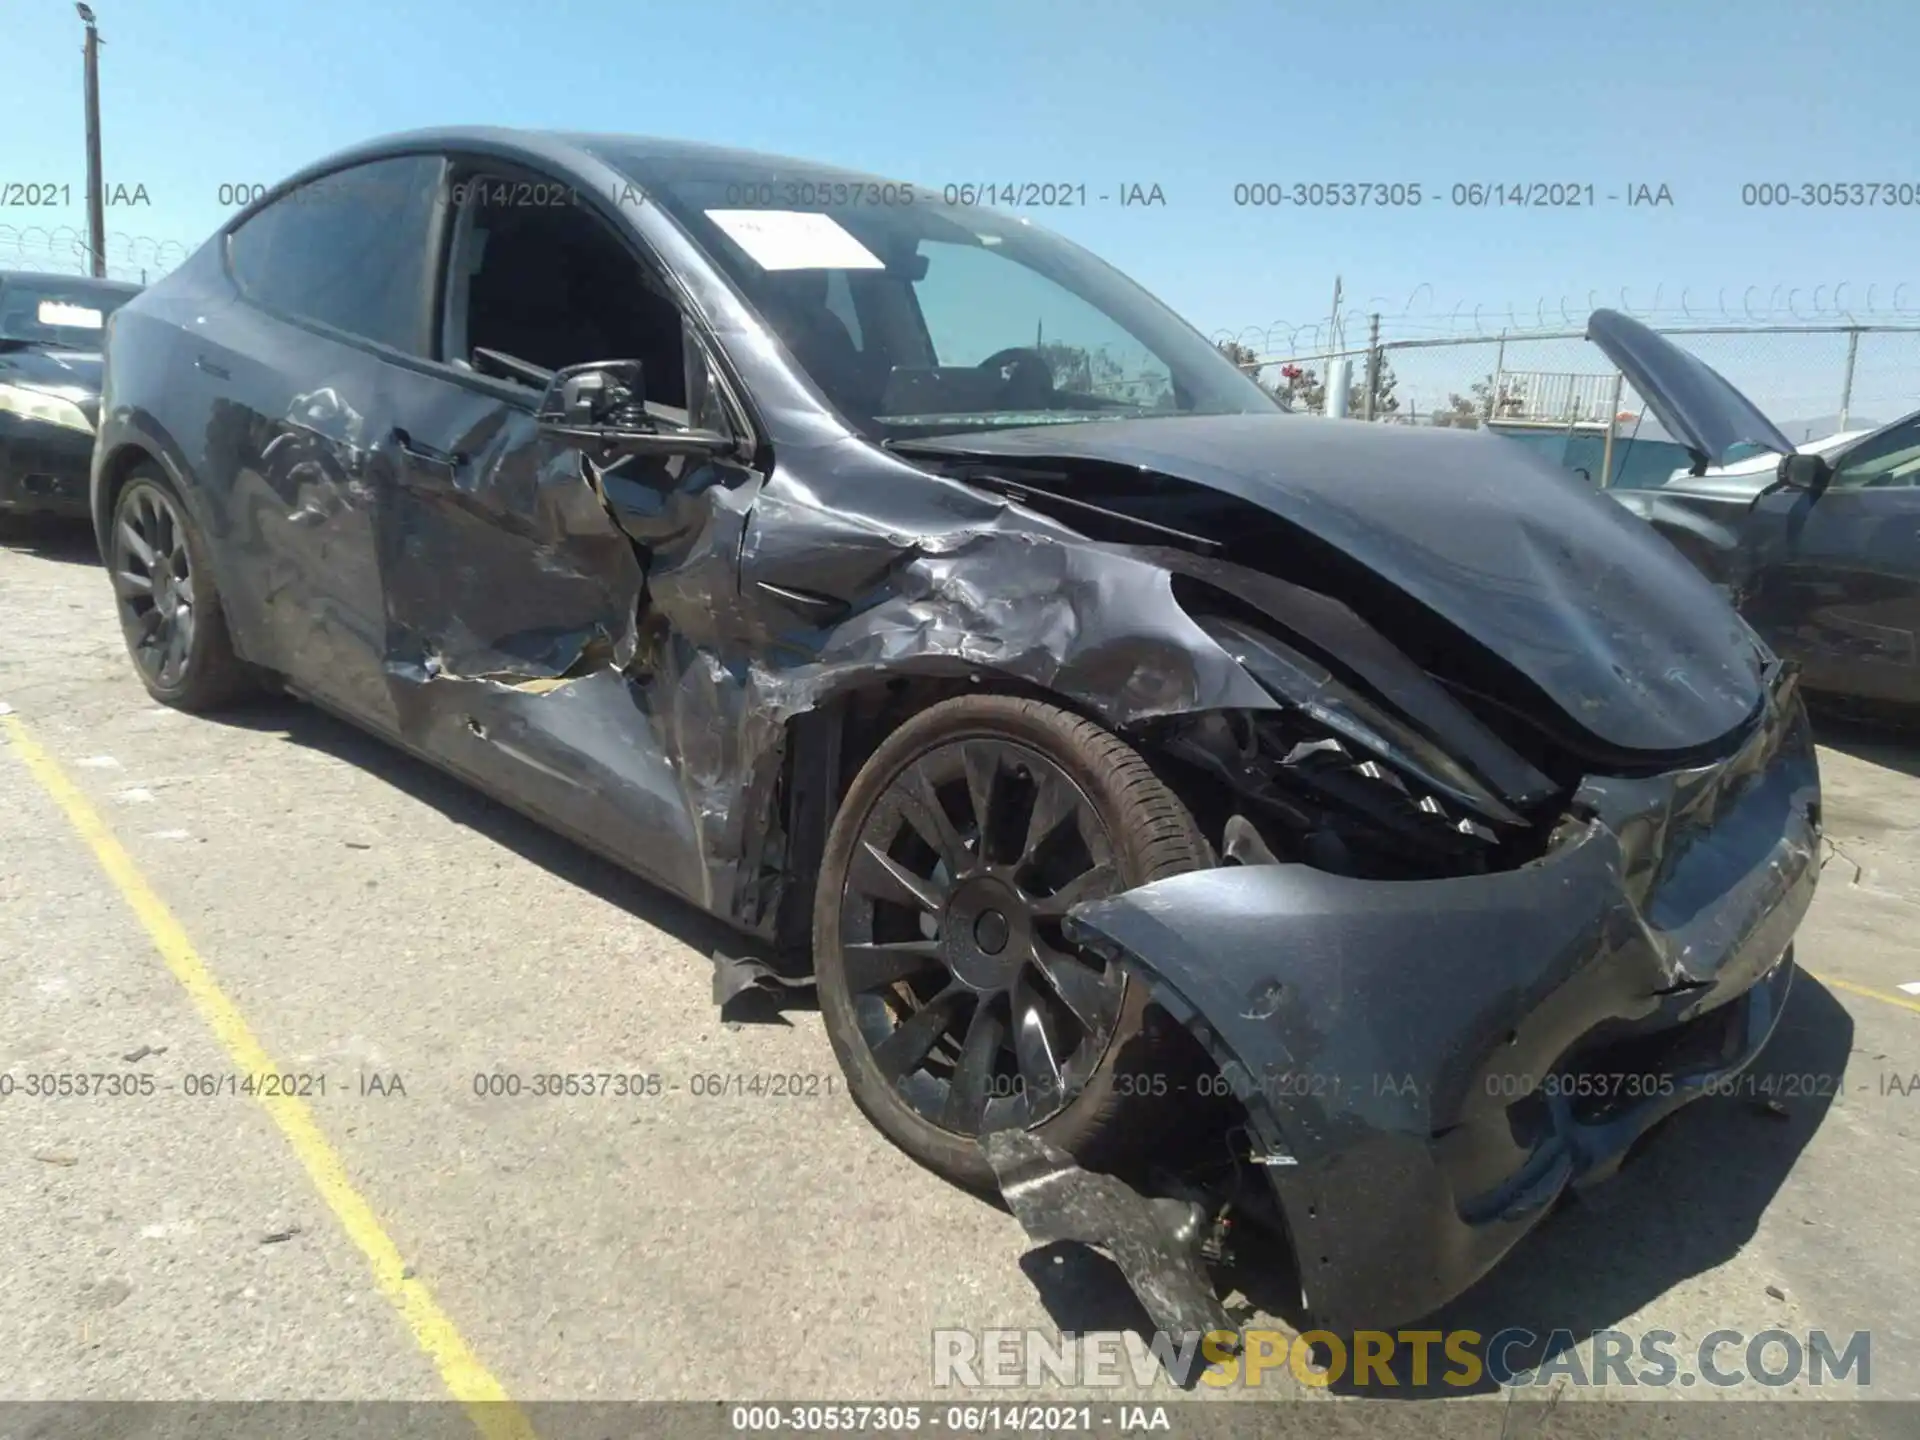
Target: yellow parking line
{"type": "Point", "coordinates": [1867, 990]}
{"type": "Point", "coordinates": [467, 1379]}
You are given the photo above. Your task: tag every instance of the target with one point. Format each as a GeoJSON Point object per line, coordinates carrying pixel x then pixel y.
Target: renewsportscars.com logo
{"type": "Point", "coordinates": [1416, 1359]}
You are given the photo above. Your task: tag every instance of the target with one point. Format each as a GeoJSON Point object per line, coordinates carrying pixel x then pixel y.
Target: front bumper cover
{"type": "Point", "coordinates": [1427, 1065]}
{"type": "Point", "coordinates": [43, 468]}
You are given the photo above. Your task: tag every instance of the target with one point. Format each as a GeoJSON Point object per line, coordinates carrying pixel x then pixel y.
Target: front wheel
{"type": "Point", "coordinates": [953, 999]}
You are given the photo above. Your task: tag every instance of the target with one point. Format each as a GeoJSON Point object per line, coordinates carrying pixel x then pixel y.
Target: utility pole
{"type": "Point", "coordinates": [1613, 424]}
{"type": "Point", "coordinates": [1846, 383]}
{"type": "Point", "coordinates": [1373, 363]}
{"type": "Point", "coordinates": [96, 197]}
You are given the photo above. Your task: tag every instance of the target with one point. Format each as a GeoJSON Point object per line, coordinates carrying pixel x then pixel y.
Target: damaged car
{"type": "Point", "coordinates": [1818, 545]}
{"type": "Point", "coordinates": [909, 589]}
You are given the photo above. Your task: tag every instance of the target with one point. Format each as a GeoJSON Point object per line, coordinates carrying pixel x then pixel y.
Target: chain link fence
{"type": "Point", "coordinates": [1812, 379]}
{"type": "Point", "coordinates": [1841, 373]}
{"type": "Point", "coordinates": [63, 250]}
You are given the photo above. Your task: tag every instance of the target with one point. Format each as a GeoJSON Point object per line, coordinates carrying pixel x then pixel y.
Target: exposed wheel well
{"type": "Point", "coordinates": [826, 747]}
{"type": "Point", "coordinates": [830, 745]}
{"type": "Point", "coordinates": [869, 713]}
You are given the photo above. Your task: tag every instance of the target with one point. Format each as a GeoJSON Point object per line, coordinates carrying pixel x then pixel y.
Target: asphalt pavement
{"type": "Point", "coordinates": [183, 898]}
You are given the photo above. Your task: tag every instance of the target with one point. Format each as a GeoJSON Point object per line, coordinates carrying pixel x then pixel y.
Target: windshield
{"type": "Point", "coordinates": [917, 318]}
{"type": "Point", "coordinates": [67, 313]}
{"type": "Point", "coordinates": [1887, 457]}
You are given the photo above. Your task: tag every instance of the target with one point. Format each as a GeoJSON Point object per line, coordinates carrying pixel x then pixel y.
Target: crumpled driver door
{"type": "Point", "coordinates": [549, 622]}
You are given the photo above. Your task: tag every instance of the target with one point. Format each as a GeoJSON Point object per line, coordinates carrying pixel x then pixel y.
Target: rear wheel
{"type": "Point", "coordinates": [954, 1001]}
{"type": "Point", "coordinates": [169, 607]}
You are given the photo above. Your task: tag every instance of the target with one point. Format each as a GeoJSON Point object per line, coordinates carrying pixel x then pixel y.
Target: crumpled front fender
{"type": "Point", "coordinates": [1381, 1033]}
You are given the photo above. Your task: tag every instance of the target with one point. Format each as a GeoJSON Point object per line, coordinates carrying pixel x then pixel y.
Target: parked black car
{"type": "Point", "coordinates": [1828, 571]}
{"type": "Point", "coordinates": [905, 586]}
{"type": "Point", "coordinates": [50, 330]}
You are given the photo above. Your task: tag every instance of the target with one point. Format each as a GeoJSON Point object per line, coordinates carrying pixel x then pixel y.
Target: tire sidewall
{"type": "Point", "coordinates": [958, 1156]}
{"type": "Point", "coordinates": [206, 594]}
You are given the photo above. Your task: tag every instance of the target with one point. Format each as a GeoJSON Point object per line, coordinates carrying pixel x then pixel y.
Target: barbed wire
{"type": "Point", "coordinates": [64, 249]}
{"type": "Point", "coordinates": [1827, 376]}
{"type": "Point", "coordinates": [1758, 306]}
{"type": "Point", "coordinates": [1778, 309]}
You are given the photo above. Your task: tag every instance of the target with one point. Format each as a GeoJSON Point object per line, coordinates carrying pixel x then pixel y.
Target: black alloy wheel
{"type": "Point", "coordinates": [169, 608]}
{"type": "Point", "coordinates": [955, 1000]}
{"type": "Point", "coordinates": [153, 576]}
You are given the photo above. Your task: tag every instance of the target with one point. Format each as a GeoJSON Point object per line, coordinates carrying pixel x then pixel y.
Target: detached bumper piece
{"type": "Point", "coordinates": [1156, 1242]}
{"type": "Point", "coordinates": [1427, 1065]}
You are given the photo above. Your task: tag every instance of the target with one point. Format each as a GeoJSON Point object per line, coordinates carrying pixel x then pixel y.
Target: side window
{"type": "Point", "coordinates": [1886, 460]}
{"type": "Point", "coordinates": [350, 250]}
{"type": "Point", "coordinates": [535, 274]}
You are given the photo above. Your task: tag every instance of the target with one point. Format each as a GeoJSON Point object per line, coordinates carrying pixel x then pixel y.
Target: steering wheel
{"type": "Point", "coordinates": [1029, 378]}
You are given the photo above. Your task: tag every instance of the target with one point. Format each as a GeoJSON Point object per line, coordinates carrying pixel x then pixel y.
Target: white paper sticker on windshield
{"type": "Point", "coordinates": [59, 312]}
{"type": "Point", "coordinates": [795, 240]}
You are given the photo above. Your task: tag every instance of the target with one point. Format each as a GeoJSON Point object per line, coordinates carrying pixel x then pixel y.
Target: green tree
{"type": "Point", "coordinates": [1071, 366]}
{"type": "Point", "coordinates": [1480, 405]}
{"type": "Point", "coordinates": [1303, 389]}
{"type": "Point", "coordinates": [1244, 358]}
{"type": "Point", "coordinates": [1386, 399]}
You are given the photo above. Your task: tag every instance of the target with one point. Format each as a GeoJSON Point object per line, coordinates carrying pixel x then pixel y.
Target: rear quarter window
{"type": "Point", "coordinates": [349, 250]}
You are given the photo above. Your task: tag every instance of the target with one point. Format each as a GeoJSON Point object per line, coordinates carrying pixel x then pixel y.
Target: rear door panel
{"type": "Point", "coordinates": [297, 470]}
{"type": "Point", "coordinates": [310, 371]}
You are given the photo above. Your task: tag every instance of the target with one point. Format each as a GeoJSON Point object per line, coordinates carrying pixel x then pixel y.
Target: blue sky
{"type": "Point", "coordinates": [1195, 96]}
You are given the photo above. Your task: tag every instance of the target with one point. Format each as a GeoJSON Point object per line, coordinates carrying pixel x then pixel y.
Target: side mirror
{"type": "Point", "coordinates": [1803, 471]}
{"type": "Point", "coordinates": [602, 407]}
{"type": "Point", "coordinates": [1808, 474]}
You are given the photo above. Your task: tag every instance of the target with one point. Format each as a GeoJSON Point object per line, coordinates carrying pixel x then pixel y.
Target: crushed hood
{"type": "Point", "coordinates": [1582, 598]}
{"type": "Point", "coordinates": [1688, 396]}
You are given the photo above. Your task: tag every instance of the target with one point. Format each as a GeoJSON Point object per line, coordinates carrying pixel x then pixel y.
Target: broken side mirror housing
{"type": "Point", "coordinates": [601, 406]}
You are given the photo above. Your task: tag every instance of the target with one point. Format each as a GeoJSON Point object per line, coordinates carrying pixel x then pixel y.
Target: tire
{"type": "Point", "coordinates": [168, 601]}
{"type": "Point", "coordinates": [976, 942]}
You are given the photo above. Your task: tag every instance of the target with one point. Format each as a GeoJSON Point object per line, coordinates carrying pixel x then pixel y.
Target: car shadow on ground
{"type": "Point", "coordinates": [1686, 1202]}
{"type": "Point", "coordinates": [312, 728]}
{"type": "Point", "coordinates": [1889, 738]}
{"type": "Point", "coordinates": [50, 537]}
{"type": "Point", "coordinates": [1688, 1199]}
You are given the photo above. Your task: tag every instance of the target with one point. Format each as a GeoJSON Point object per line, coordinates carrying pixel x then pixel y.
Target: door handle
{"type": "Point", "coordinates": [200, 362]}
{"type": "Point", "coordinates": [426, 454]}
